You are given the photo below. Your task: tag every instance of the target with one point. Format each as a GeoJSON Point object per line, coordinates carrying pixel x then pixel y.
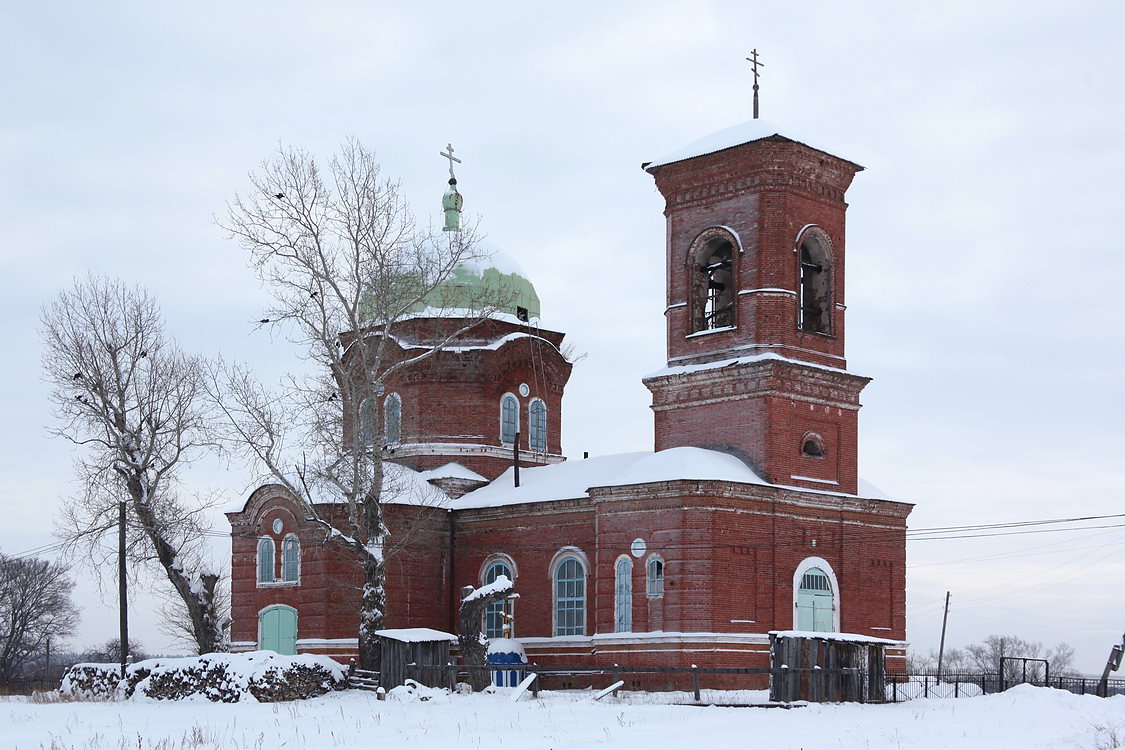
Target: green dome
{"type": "Point", "coordinates": [496, 280]}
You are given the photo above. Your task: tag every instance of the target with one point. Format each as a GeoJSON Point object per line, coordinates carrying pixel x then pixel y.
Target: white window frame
{"type": "Point", "coordinates": [560, 557]}
{"type": "Point", "coordinates": [837, 604]}
{"type": "Point", "coordinates": [272, 578]}
{"type": "Point", "coordinates": [291, 536]}
{"type": "Point", "coordinates": [489, 563]}
{"type": "Point", "coordinates": [617, 599]}
{"type": "Point", "coordinates": [516, 411]}
{"type": "Point", "coordinates": [531, 443]}
{"type": "Point", "coordinates": [650, 581]}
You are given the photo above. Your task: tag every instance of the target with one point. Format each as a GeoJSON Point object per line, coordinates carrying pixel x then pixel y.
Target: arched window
{"type": "Point", "coordinates": [392, 418]}
{"type": "Point", "coordinates": [291, 559]}
{"type": "Point", "coordinates": [265, 560]}
{"type": "Point", "coordinates": [623, 596]}
{"type": "Point", "coordinates": [509, 419]}
{"type": "Point", "coordinates": [815, 288]}
{"type": "Point", "coordinates": [655, 577]}
{"type": "Point", "coordinates": [570, 597]}
{"type": "Point", "coordinates": [815, 602]}
{"type": "Point", "coordinates": [812, 445]}
{"type": "Point", "coordinates": [367, 421]}
{"type": "Point", "coordinates": [494, 613]}
{"type": "Point", "coordinates": [537, 425]}
{"type": "Point", "coordinates": [712, 289]}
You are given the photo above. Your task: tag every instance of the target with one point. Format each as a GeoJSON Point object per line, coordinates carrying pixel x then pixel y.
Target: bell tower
{"type": "Point", "coordinates": [755, 307]}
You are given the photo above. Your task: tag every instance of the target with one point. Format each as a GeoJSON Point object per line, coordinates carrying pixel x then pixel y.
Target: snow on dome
{"type": "Point", "coordinates": [736, 135]}
{"type": "Point", "coordinates": [506, 646]}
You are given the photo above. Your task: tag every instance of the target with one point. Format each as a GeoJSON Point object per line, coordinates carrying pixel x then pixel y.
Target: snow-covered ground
{"type": "Point", "coordinates": [1023, 717]}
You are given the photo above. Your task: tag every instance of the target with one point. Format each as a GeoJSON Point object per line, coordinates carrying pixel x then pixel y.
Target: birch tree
{"type": "Point", "coordinates": [131, 401]}
{"type": "Point", "coordinates": [346, 265]}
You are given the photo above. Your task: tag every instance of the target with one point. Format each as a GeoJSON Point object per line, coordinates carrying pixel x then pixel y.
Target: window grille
{"type": "Point", "coordinates": [265, 561]}
{"type": "Point", "coordinates": [509, 419]}
{"type": "Point", "coordinates": [290, 559]}
{"type": "Point", "coordinates": [570, 598]}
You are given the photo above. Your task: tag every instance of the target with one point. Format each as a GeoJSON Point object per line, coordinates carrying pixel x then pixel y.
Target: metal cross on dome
{"type": "Point", "coordinates": [448, 154]}
{"type": "Point", "coordinates": [753, 60]}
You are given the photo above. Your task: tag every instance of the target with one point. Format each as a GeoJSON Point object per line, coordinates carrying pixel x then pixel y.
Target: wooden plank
{"type": "Point", "coordinates": [611, 689]}
{"type": "Point", "coordinates": [522, 687]}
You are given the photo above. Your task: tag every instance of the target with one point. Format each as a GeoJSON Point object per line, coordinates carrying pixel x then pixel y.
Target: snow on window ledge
{"type": "Point", "coordinates": [709, 331]}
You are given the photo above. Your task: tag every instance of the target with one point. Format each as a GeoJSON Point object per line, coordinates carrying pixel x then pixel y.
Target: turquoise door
{"type": "Point", "coordinates": [277, 629]}
{"type": "Point", "coordinates": [815, 603]}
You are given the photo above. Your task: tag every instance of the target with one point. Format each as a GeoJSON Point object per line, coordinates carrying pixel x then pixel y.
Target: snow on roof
{"type": "Point", "coordinates": [842, 637]}
{"type": "Point", "coordinates": [416, 635]}
{"type": "Point", "coordinates": [748, 359]}
{"type": "Point", "coordinates": [572, 479]}
{"type": "Point", "coordinates": [866, 489]}
{"type": "Point", "coordinates": [492, 346]}
{"type": "Point", "coordinates": [736, 135]}
{"type": "Point", "coordinates": [451, 470]}
{"type": "Point", "coordinates": [401, 486]}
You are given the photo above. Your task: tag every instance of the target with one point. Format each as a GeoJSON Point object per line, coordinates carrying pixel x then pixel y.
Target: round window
{"type": "Point", "coordinates": [277, 525]}
{"type": "Point", "coordinates": [524, 390]}
{"type": "Point", "coordinates": [638, 547]}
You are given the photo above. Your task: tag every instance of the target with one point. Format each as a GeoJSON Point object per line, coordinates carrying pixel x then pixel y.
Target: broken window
{"type": "Point", "coordinates": [813, 446]}
{"type": "Point", "coordinates": [713, 292]}
{"type": "Point", "coordinates": [815, 289]}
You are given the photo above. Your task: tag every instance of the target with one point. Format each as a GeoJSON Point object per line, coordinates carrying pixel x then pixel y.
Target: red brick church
{"type": "Point", "coordinates": [748, 516]}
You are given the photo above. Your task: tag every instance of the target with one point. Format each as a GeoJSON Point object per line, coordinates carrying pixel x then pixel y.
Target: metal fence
{"type": "Point", "coordinates": [904, 687]}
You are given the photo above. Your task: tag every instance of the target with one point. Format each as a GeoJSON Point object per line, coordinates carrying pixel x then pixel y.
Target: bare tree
{"type": "Point", "coordinates": [985, 656]}
{"type": "Point", "coordinates": [131, 400]}
{"type": "Point", "coordinates": [34, 605]}
{"type": "Point", "coordinates": [110, 652]}
{"type": "Point", "coordinates": [347, 266]}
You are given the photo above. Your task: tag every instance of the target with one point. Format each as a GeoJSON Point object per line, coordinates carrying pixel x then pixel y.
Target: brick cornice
{"type": "Point", "coordinates": [743, 380]}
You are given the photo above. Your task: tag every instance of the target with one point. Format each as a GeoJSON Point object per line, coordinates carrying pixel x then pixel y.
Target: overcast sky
{"type": "Point", "coordinates": [984, 246]}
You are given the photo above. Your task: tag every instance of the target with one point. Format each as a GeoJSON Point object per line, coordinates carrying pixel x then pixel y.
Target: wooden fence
{"type": "Point", "coordinates": [441, 674]}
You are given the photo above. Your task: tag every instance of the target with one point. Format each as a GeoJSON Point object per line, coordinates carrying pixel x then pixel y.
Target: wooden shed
{"type": "Point", "coordinates": [406, 652]}
{"type": "Point", "coordinates": [827, 667]}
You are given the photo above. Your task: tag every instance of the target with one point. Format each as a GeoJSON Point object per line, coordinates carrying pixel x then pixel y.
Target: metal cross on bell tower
{"type": "Point", "coordinates": [755, 64]}
{"type": "Point", "coordinates": [452, 201]}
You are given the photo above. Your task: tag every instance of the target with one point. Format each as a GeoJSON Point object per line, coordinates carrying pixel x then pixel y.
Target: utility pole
{"type": "Point", "coordinates": [122, 592]}
{"type": "Point", "coordinates": [941, 647]}
{"type": "Point", "coordinates": [47, 673]}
